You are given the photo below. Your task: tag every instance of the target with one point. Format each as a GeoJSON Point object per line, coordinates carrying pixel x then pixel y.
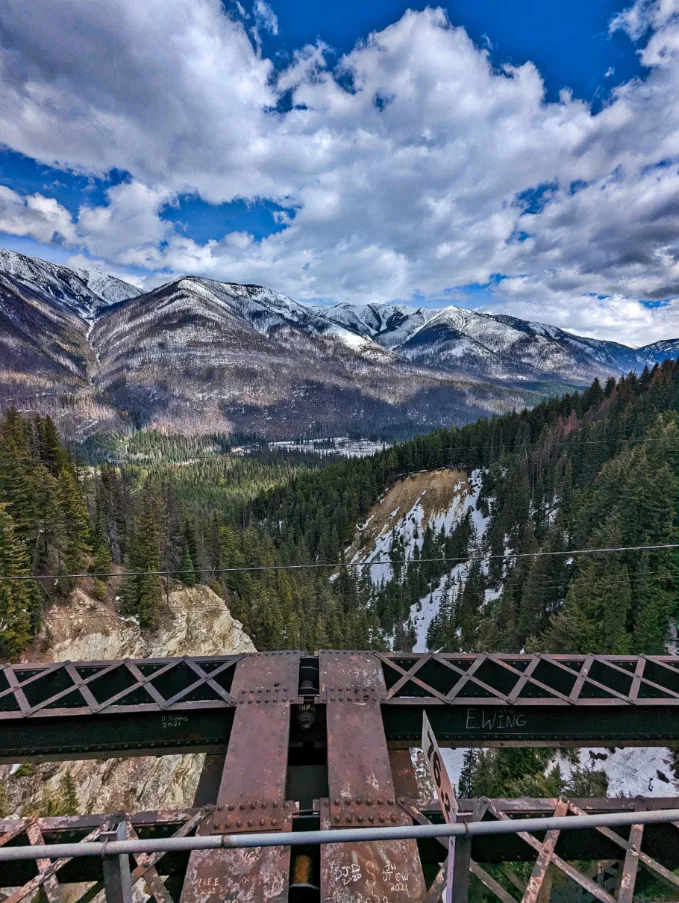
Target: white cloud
{"type": "Point", "coordinates": [35, 216]}
{"type": "Point", "coordinates": [265, 17]}
{"type": "Point", "coordinates": [403, 161]}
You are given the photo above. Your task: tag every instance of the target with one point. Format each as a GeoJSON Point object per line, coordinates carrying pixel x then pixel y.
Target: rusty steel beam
{"type": "Point", "coordinates": [361, 788]}
{"type": "Point", "coordinates": [139, 707]}
{"type": "Point", "coordinates": [153, 868]}
{"type": "Point", "coordinates": [251, 794]}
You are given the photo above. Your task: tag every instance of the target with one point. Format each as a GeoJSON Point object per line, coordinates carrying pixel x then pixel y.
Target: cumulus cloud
{"type": "Point", "coordinates": [413, 166]}
{"type": "Point", "coordinates": [34, 216]}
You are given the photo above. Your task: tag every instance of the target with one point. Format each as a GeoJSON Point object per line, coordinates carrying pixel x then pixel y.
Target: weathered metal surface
{"type": "Point", "coordinates": [361, 789]}
{"type": "Point", "coordinates": [253, 875]}
{"type": "Point", "coordinates": [252, 790]}
{"type": "Point", "coordinates": [360, 782]}
{"type": "Point", "coordinates": [251, 793]}
{"type": "Point", "coordinates": [536, 882]}
{"type": "Point", "coordinates": [379, 872]}
{"type": "Point", "coordinates": [146, 706]}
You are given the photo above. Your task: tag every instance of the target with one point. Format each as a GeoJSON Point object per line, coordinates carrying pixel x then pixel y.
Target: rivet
{"type": "Point", "coordinates": [340, 689]}
{"type": "Point", "coordinates": [259, 700]}
{"type": "Point", "coordinates": [275, 805]}
{"type": "Point", "coordinates": [249, 702]}
{"type": "Point", "coordinates": [368, 802]}
{"type": "Point", "coordinates": [382, 819]}
{"type": "Point", "coordinates": [393, 818]}
{"type": "Point", "coordinates": [274, 822]}
{"type": "Point", "coordinates": [337, 818]}
{"type": "Point", "coordinates": [359, 819]}
{"type": "Point", "coordinates": [252, 805]}
{"type": "Point", "coordinates": [239, 823]}
{"type": "Point", "coordinates": [379, 801]}
{"type": "Point", "coordinates": [259, 689]}
{"type": "Point", "coordinates": [250, 823]}
{"type": "Point", "coordinates": [231, 807]}
{"type": "Point", "coordinates": [401, 800]}
{"type": "Point", "coordinates": [341, 698]}
{"type": "Point", "coordinates": [349, 819]}
{"type": "Point", "coordinates": [242, 806]}
{"type": "Point", "coordinates": [358, 800]}
{"type": "Point", "coordinates": [263, 804]}
{"type": "Point", "coordinates": [371, 818]}
{"type": "Point", "coordinates": [336, 802]}
{"type": "Point", "coordinates": [262, 821]}
{"type": "Point", "coordinates": [390, 802]}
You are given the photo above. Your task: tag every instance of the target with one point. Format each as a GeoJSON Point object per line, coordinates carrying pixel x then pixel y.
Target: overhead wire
{"type": "Point", "coordinates": [340, 565]}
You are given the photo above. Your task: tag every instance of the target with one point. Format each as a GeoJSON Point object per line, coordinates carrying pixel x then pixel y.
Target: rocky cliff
{"type": "Point", "coordinates": [195, 621]}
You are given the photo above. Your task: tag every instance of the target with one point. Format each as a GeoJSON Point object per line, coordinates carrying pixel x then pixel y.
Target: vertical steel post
{"type": "Point", "coordinates": [117, 878]}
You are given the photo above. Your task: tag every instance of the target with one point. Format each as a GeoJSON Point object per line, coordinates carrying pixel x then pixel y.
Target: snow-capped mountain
{"type": "Point", "coordinates": [200, 355]}
{"type": "Point", "coordinates": [492, 346]}
{"type": "Point", "coordinates": [660, 351]}
{"type": "Point", "coordinates": [82, 292]}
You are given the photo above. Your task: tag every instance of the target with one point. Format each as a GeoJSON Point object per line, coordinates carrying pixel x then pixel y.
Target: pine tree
{"type": "Point", "coordinates": [18, 598]}
{"type": "Point", "coordinates": [141, 592]}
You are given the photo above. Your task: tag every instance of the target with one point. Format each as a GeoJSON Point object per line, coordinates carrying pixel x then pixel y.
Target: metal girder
{"type": "Point", "coordinates": [633, 855]}
{"type": "Point", "coordinates": [361, 789]}
{"type": "Point", "coordinates": [251, 794]}
{"type": "Point", "coordinates": [77, 710]}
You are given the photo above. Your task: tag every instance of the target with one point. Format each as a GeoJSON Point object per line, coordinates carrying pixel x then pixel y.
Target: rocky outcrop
{"type": "Point", "coordinates": [196, 621]}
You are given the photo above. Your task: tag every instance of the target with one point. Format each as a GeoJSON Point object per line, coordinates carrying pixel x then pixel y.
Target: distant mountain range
{"type": "Point", "coordinates": [196, 355]}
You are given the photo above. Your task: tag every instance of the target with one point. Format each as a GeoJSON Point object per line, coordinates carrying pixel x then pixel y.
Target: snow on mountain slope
{"type": "Point", "coordinates": [109, 288]}
{"type": "Point", "coordinates": [660, 351]}
{"type": "Point", "coordinates": [82, 292]}
{"type": "Point", "coordinates": [437, 499]}
{"type": "Point", "coordinates": [494, 346]}
{"type": "Point", "coordinates": [388, 324]}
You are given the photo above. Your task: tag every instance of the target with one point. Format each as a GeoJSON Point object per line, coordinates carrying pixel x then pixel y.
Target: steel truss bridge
{"type": "Point", "coordinates": [301, 743]}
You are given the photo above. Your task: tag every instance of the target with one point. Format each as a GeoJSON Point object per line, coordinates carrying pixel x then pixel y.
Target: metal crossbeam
{"type": "Point", "coordinates": [134, 707]}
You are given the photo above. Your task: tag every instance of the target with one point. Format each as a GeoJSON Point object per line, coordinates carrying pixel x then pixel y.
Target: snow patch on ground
{"type": "Point", "coordinates": [631, 771]}
{"type": "Point", "coordinates": [466, 499]}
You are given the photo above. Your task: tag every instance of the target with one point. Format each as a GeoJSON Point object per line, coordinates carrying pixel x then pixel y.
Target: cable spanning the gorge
{"type": "Point", "coordinates": [339, 565]}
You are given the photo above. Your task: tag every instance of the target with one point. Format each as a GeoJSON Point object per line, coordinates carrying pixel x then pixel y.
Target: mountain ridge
{"type": "Point", "coordinates": [196, 354]}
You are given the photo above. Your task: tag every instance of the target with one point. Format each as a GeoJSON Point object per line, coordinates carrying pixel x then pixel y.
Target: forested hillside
{"type": "Point", "coordinates": [596, 469]}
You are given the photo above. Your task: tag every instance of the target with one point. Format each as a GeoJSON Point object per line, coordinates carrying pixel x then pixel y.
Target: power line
{"type": "Point", "coordinates": [351, 564]}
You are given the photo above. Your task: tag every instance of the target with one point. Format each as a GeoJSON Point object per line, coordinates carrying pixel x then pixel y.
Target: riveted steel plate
{"type": "Point", "coordinates": [220, 876]}
{"type": "Point", "coordinates": [252, 789]}
{"type": "Point", "coordinates": [359, 771]}
{"type": "Point", "coordinates": [378, 872]}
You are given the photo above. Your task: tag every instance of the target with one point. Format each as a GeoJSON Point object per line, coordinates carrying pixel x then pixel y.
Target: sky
{"type": "Point", "coordinates": [512, 156]}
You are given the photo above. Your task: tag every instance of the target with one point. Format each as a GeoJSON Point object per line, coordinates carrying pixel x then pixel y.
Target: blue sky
{"type": "Point", "coordinates": [490, 154]}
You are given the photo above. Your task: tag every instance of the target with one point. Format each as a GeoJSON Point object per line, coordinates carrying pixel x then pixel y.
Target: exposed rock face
{"type": "Point", "coordinates": [196, 622]}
